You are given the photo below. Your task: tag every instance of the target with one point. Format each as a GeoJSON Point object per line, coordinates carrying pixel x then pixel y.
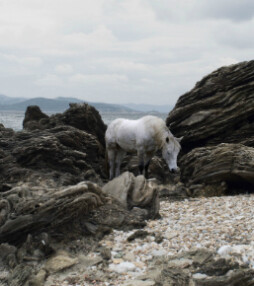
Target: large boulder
{"type": "Point", "coordinates": [81, 116]}
{"type": "Point", "coordinates": [219, 109]}
{"type": "Point", "coordinates": [219, 170]}
{"type": "Point", "coordinates": [132, 192]}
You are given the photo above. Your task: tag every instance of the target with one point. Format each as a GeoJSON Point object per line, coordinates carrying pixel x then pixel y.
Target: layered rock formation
{"type": "Point", "coordinates": [217, 170]}
{"type": "Point", "coordinates": [81, 116]}
{"type": "Point", "coordinates": [62, 155]}
{"type": "Point", "coordinates": [219, 109]}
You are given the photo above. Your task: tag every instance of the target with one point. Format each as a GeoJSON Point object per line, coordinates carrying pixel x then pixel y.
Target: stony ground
{"type": "Point", "coordinates": [221, 224]}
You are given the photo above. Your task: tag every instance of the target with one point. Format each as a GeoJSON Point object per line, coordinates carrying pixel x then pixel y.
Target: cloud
{"type": "Point", "coordinates": [29, 61]}
{"type": "Point", "coordinates": [234, 10]}
{"type": "Point", "coordinates": [196, 10]}
{"type": "Point", "coordinates": [236, 35]}
{"type": "Point", "coordinates": [49, 80]}
{"type": "Point", "coordinates": [119, 51]}
{"type": "Point", "coordinates": [98, 79]}
{"type": "Point", "coordinates": [64, 69]}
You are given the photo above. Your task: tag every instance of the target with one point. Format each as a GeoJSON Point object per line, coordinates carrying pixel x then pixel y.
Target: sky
{"type": "Point", "coordinates": [119, 51]}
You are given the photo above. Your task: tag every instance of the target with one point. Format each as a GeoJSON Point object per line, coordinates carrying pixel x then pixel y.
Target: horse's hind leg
{"type": "Point", "coordinates": [111, 159]}
{"type": "Point", "coordinates": [141, 161]}
{"type": "Point", "coordinates": [119, 157]}
{"type": "Point", "coordinates": [148, 158]}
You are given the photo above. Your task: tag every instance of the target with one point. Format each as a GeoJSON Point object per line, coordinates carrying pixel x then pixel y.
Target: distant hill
{"type": "Point", "coordinates": [6, 100]}
{"type": "Point", "coordinates": [59, 104]}
{"type": "Point", "coordinates": [149, 107]}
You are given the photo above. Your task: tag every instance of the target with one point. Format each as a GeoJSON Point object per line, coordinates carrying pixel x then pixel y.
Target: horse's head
{"type": "Point", "coordinates": [170, 150]}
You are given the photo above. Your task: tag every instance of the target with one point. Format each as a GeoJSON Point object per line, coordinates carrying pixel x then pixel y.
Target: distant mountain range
{"type": "Point", "coordinates": [60, 104]}
{"type": "Point", "coordinates": [149, 107]}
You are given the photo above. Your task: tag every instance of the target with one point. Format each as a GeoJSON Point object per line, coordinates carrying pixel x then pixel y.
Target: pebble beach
{"type": "Point", "coordinates": [221, 224]}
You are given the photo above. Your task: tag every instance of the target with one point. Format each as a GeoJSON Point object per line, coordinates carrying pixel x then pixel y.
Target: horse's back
{"type": "Point", "coordinates": [128, 134]}
{"type": "Point", "coordinates": [121, 133]}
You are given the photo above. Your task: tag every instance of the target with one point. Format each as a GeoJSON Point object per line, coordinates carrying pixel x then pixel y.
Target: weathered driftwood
{"type": "Point", "coordinates": [219, 109]}
{"type": "Point", "coordinates": [37, 212]}
{"type": "Point", "coordinates": [227, 167]}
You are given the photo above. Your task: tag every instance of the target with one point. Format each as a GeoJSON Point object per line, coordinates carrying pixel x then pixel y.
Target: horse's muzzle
{"type": "Point", "coordinates": [174, 171]}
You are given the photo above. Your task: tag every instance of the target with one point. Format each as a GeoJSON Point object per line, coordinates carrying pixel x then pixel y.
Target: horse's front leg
{"type": "Point", "coordinates": [111, 159]}
{"type": "Point", "coordinates": [148, 157]}
{"type": "Point", "coordinates": [119, 157]}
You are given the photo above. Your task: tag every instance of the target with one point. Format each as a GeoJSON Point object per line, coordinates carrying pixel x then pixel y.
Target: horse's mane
{"type": "Point", "coordinates": [161, 133]}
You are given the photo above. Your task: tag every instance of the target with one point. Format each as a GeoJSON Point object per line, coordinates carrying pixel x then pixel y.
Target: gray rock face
{"type": "Point", "coordinates": [227, 168]}
{"type": "Point", "coordinates": [219, 109]}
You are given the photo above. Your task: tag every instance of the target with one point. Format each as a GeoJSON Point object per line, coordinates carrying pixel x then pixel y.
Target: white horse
{"type": "Point", "coordinates": [145, 135]}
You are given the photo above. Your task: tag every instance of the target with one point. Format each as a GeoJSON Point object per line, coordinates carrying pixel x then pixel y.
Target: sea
{"type": "Point", "coordinates": [14, 119]}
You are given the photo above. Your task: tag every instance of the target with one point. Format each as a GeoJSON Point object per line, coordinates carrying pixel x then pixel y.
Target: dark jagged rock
{"type": "Point", "coordinates": [64, 155]}
{"type": "Point", "coordinates": [199, 268]}
{"type": "Point", "coordinates": [33, 116]}
{"type": "Point", "coordinates": [219, 109]}
{"type": "Point", "coordinates": [81, 116]}
{"type": "Point", "coordinates": [48, 209]}
{"type": "Point", "coordinates": [218, 170]}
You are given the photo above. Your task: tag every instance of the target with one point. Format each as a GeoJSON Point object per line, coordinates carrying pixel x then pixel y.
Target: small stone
{"type": "Point", "coordinates": [224, 250]}
{"type": "Point", "coordinates": [122, 267]}
{"type": "Point", "coordinates": [105, 253]}
{"type": "Point", "coordinates": [158, 238]}
{"type": "Point", "coordinates": [60, 262]}
{"type": "Point", "coordinates": [199, 276]}
{"type": "Point", "coordinates": [130, 256]}
{"type": "Point", "coordinates": [160, 252]}
{"type": "Point", "coordinates": [139, 283]}
{"type": "Point", "coordinates": [88, 261]}
{"type": "Point", "coordinates": [138, 234]}
{"type": "Point", "coordinates": [39, 278]}
{"type": "Point", "coordinates": [118, 255]}
{"type": "Point", "coordinates": [117, 260]}
{"type": "Point", "coordinates": [180, 263]}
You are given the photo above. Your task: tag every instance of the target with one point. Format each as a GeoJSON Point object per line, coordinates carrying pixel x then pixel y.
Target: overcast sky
{"type": "Point", "coordinates": [119, 51]}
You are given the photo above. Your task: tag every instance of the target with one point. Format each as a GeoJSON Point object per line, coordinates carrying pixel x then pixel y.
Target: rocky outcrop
{"type": "Point", "coordinates": [30, 210]}
{"type": "Point", "coordinates": [62, 155]}
{"type": "Point", "coordinates": [81, 116]}
{"type": "Point", "coordinates": [33, 116]}
{"type": "Point", "coordinates": [219, 170]}
{"type": "Point", "coordinates": [219, 109]}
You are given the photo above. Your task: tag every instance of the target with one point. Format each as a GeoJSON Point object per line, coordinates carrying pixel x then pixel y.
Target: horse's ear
{"type": "Point", "coordinates": [179, 139]}
{"type": "Point", "coordinates": [167, 139]}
